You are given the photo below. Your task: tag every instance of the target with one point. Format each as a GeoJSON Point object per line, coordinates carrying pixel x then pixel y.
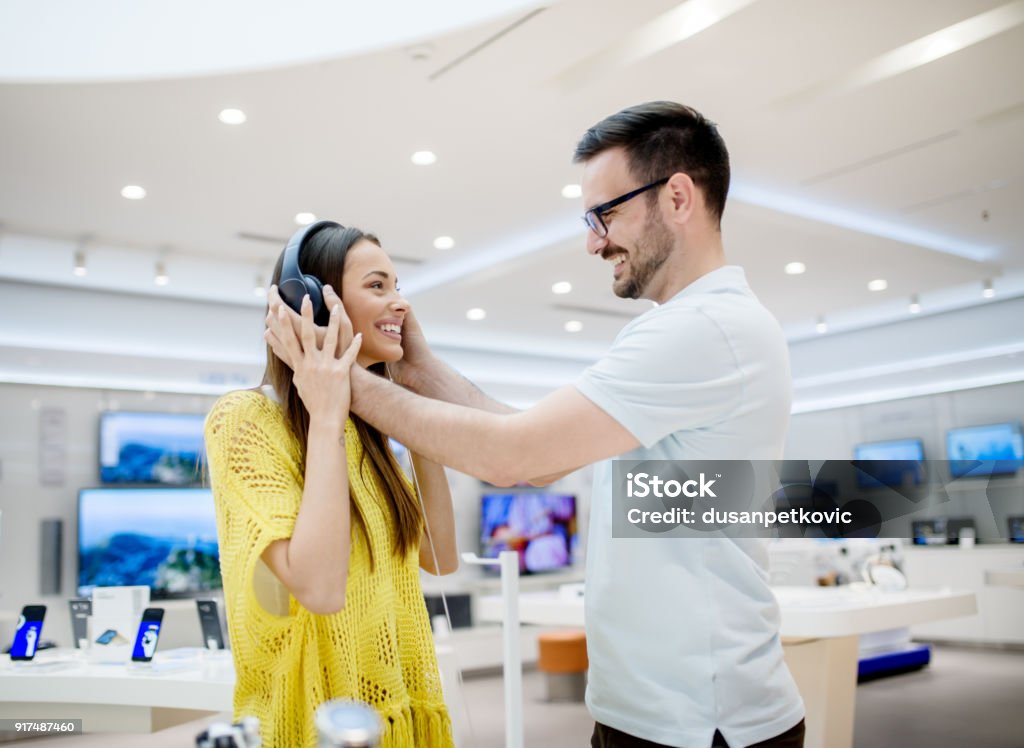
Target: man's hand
{"type": "Point", "coordinates": [416, 354]}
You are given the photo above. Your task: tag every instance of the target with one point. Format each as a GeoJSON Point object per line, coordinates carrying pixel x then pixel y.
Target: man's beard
{"type": "Point", "coordinates": [650, 253]}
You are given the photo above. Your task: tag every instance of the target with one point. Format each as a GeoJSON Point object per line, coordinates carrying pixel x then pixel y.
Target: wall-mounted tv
{"type": "Point", "coordinates": [889, 463]}
{"type": "Point", "coordinates": [164, 448]}
{"type": "Point", "coordinates": [994, 449]}
{"type": "Point", "coordinates": [165, 538]}
{"type": "Point", "coordinates": [541, 527]}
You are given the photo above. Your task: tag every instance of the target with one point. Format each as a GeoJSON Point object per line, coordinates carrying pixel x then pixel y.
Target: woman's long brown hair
{"type": "Point", "coordinates": [323, 255]}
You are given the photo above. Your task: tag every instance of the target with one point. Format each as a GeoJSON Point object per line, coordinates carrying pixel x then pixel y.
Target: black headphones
{"type": "Point", "coordinates": [293, 284]}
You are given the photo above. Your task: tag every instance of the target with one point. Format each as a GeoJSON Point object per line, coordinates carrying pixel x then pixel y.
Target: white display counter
{"type": "Point", "coordinates": [820, 626]}
{"type": "Point", "coordinates": [1000, 605]}
{"type": "Point", "coordinates": [178, 686]}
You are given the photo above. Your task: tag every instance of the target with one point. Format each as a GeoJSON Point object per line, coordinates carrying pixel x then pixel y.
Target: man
{"type": "Point", "coordinates": [682, 633]}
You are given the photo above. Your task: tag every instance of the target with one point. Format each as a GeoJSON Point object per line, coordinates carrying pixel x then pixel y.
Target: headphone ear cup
{"type": "Point", "coordinates": [315, 289]}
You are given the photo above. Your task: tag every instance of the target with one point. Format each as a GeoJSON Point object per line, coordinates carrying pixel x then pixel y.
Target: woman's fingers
{"type": "Point", "coordinates": [331, 338]}
{"type": "Point", "coordinates": [277, 347]}
{"type": "Point", "coordinates": [309, 346]}
{"type": "Point", "coordinates": [344, 337]}
{"type": "Point", "coordinates": [349, 356]}
{"type": "Point", "coordinates": [281, 329]}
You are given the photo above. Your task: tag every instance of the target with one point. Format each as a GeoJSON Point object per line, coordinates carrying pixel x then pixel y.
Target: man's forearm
{"type": "Point", "coordinates": [436, 379]}
{"type": "Point", "coordinates": [469, 440]}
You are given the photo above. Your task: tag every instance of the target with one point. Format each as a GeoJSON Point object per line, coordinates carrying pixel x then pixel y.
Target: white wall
{"type": "Point", "coordinates": [832, 434]}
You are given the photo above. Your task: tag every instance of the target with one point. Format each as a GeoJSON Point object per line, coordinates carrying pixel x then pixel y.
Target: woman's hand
{"type": "Point", "coordinates": [321, 369]}
{"type": "Point", "coordinates": [273, 324]}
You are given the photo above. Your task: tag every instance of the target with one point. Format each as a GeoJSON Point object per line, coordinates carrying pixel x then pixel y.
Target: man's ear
{"type": "Point", "coordinates": [682, 193]}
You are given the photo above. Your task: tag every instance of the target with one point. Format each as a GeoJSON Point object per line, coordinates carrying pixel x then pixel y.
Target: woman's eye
{"type": "Point", "coordinates": [376, 284]}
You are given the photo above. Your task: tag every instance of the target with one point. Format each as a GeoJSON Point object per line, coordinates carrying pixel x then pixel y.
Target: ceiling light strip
{"type": "Point", "coordinates": [677, 25]}
{"type": "Point", "coordinates": [860, 222]}
{"type": "Point", "coordinates": [917, 53]}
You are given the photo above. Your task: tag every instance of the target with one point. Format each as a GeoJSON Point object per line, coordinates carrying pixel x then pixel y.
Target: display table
{"type": "Point", "coordinates": [820, 626]}
{"type": "Point", "coordinates": [178, 686]}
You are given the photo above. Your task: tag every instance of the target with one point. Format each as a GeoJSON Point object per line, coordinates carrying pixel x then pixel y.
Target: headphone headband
{"type": "Point", "coordinates": [293, 284]}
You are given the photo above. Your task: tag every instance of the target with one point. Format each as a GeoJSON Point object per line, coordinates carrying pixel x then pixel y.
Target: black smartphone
{"type": "Point", "coordinates": [148, 636]}
{"type": "Point", "coordinates": [28, 632]}
{"type": "Point", "coordinates": [81, 609]}
{"type": "Point", "coordinates": [209, 621]}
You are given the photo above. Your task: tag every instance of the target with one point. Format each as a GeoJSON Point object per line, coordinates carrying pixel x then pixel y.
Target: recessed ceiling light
{"type": "Point", "coordinates": [573, 325]}
{"type": "Point", "coordinates": [879, 284]}
{"type": "Point", "coordinates": [231, 116]}
{"type": "Point", "coordinates": [444, 242]}
{"type": "Point", "coordinates": [424, 158]}
{"type": "Point", "coordinates": [795, 268]}
{"type": "Point", "coordinates": [133, 192]}
{"type": "Point", "coordinates": [572, 191]}
{"type": "Point", "coordinates": [304, 219]}
{"type": "Point", "coordinates": [562, 287]}
{"type": "Point", "coordinates": [476, 314]}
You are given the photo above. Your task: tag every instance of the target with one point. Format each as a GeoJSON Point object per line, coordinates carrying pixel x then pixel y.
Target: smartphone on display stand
{"type": "Point", "coordinates": [209, 621]}
{"type": "Point", "coordinates": [28, 633]}
{"type": "Point", "coordinates": [148, 636]}
{"type": "Point", "coordinates": [81, 609]}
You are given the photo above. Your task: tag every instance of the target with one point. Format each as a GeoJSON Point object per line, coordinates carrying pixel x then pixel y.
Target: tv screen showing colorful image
{"type": "Point", "coordinates": [162, 448]}
{"type": "Point", "coordinates": [995, 449]}
{"type": "Point", "coordinates": [890, 463]}
{"type": "Point", "coordinates": [540, 527]}
{"type": "Point", "coordinates": [165, 538]}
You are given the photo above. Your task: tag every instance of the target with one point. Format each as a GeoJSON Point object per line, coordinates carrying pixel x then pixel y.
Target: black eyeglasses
{"type": "Point", "coordinates": [594, 218]}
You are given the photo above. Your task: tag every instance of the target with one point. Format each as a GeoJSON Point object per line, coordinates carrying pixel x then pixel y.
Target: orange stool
{"type": "Point", "coordinates": [563, 660]}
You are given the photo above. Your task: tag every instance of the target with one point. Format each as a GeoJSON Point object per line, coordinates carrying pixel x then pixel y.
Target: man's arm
{"type": "Point", "coordinates": [560, 433]}
{"type": "Point", "coordinates": [475, 435]}
{"type": "Point", "coordinates": [433, 378]}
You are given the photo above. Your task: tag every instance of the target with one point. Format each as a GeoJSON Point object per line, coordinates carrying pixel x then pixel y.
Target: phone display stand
{"type": "Point", "coordinates": [44, 666]}
{"type": "Point", "coordinates": [160, 667]}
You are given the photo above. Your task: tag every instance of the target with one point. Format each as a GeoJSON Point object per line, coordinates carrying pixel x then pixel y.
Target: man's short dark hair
{"type": "Point", "coordinates": [661, 138]}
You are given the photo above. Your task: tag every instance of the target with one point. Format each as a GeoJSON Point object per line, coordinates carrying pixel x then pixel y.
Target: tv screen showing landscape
{"type": "Point", "coordinates": [164, 538]}
{"type": "Point", "coordinates": [164, 448]}
{"type": "Point", "coordinates": [995, 449]}
{"type": "Point", "coordinates": [889, 463]}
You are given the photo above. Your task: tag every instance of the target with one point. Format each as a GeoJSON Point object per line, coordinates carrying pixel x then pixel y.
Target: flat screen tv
{"type": "Point", "coordinates": [165, 538]}
{"type": "Point", "coordinates": [540, 527]}
{"type": "Point", "coordinates": [995, 449]}
{"type": "Point", "coordinates": [164, 448]}
{"type": "Point", "coordinates": [889, 463]}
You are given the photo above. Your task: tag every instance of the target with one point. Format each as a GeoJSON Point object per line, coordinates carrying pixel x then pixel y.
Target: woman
{"type": "Point", "coordinates": [321, 535]}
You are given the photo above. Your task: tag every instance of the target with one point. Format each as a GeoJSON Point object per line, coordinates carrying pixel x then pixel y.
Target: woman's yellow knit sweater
{"type": "Point", "coordinates": [378, 649]}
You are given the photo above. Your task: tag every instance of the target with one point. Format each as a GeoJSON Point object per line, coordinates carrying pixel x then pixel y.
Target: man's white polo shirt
{"type": "Point", "coordinates": [683, 633]}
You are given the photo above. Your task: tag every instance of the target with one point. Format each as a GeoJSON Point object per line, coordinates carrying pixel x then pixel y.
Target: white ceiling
{"type": "Point", "coordinates": [839, 162]}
